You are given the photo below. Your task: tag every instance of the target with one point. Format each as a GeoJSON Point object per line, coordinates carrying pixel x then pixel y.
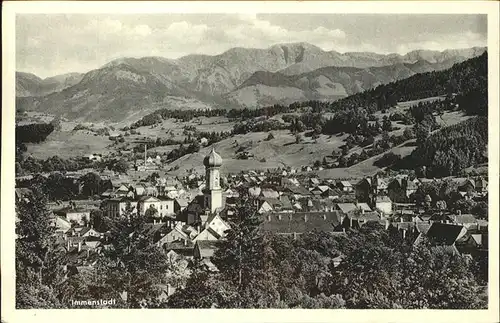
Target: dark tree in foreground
{"type": "Point", "coordinates": [388, 159]}
{"type": "Point", "coordinates": [38, 268]}
{"type": "Point", "coordinates": [91, 184]}
{"type": "Point", "coordinates": [383, 273]}
{"type": "Point", "coordinates": [129, 271]}
{"type": "Point", "coordinates": [133, 266]}
{"type": "Point", "coordinates": [258, 270]}
{"type": "Point", "coordinates": [120, 166]}
{"type": "Point", "coordinates": [240, 259]}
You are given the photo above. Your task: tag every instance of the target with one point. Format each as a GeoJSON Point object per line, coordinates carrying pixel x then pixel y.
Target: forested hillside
{"type": "Point", "coordinates": [469, 80]}
{"type": "Point", "coordinates": [36, 132]}
{"type": "Point", "coordinates": [452, 149]}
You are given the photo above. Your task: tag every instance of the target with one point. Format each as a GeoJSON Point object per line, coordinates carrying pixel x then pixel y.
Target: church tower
{"type": "Point", "coordinates": [213, 190]}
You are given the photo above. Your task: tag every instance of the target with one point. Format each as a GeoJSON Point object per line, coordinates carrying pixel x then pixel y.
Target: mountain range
{"type": "Point", "coordinates": [127, 88]}
{"type": "Point", "coordinates": [28, 84]}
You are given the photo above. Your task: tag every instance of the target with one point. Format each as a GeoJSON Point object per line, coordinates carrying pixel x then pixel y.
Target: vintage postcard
{"type": "Point", "coordinates": [253, 162]}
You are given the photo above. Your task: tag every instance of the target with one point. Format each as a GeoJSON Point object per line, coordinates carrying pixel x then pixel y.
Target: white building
{"type": "Point", "coordinates": [212, 190]}
{"type": "Point", "coordinates": [204, 141]}
{"type": "Point", "coordinates": [163, 207]}
{"type": "Point", "coordinates": [384, 205]}
{"type": "Point", "coordinates": [116, 206]}
{"type": "Point", "coordinates": [213, 229]}
{"type": "Point", "coordinates": [95, 157]}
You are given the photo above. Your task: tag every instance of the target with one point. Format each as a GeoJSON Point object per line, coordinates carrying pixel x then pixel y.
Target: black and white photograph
{"type": "Point", "coordinates": [251, 160]}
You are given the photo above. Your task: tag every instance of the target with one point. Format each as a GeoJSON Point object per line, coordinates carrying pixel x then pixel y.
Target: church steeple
{"type": "Point", "coordinates": [213, 191]}
{"type": "Point", "coordinates": [213, 159]}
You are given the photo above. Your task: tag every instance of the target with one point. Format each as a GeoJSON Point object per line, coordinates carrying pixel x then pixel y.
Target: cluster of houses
{"type": "Point", "coordinates": [149, 164]}
{"type": "Point", "coordinates": [187, 220]}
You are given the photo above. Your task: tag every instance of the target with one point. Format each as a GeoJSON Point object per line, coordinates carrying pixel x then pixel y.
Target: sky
{"type": "Point", "coordinates": [53, 44]}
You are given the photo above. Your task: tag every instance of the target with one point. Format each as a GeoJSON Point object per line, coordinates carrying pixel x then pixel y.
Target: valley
{"type": "Point", "coordinates": [270, 176]}
{"type": "Point", "coordinates": [348, 142]}
{"type": "Point", "coordinates": [280, 152]}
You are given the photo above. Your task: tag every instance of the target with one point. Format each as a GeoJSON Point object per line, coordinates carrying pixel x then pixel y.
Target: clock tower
{"type": "Point", "coordinates": [213, 190]}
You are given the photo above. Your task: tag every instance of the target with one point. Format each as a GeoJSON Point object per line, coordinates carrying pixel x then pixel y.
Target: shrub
{"type": "Point", "coordinates": [387, 159]}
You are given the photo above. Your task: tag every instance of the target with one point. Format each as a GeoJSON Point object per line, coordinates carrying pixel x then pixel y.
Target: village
{"type": "Point", "coordinates": [186, 216]}
{"type": "Point", "coordinates": [243, 158]}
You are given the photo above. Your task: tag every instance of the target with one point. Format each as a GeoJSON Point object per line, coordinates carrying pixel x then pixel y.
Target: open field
{"type": "Point", "coordinates": [173, 128]}
{"type": "Point", "coordinates": [450, 118]}
{"type": "Point", "coordinates": [68, 144]}
{"type": "Point", "coordinates": [366, 167]}
{"type": "Point", "coordinates": [278, 152]}
{"type": "Point", "coordinates": [407, 104]}
{"type": "Point", "coordinates": [33, 117]}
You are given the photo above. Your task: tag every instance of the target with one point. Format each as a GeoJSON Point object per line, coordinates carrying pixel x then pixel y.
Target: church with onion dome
{"type": "Point", "coordinates": [213, 190]}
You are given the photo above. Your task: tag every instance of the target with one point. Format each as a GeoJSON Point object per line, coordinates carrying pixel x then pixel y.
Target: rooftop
{"type": "Point", "coordinates": [346, 207]}
{"type": "Point", "coordinates": [443, 233]}
{"type": "Point", "coordinates": [464, 218]}
{"type": "Point", "coordinates": [383, 199]}
{"type": "Point", "coordinates": [301, 222]}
